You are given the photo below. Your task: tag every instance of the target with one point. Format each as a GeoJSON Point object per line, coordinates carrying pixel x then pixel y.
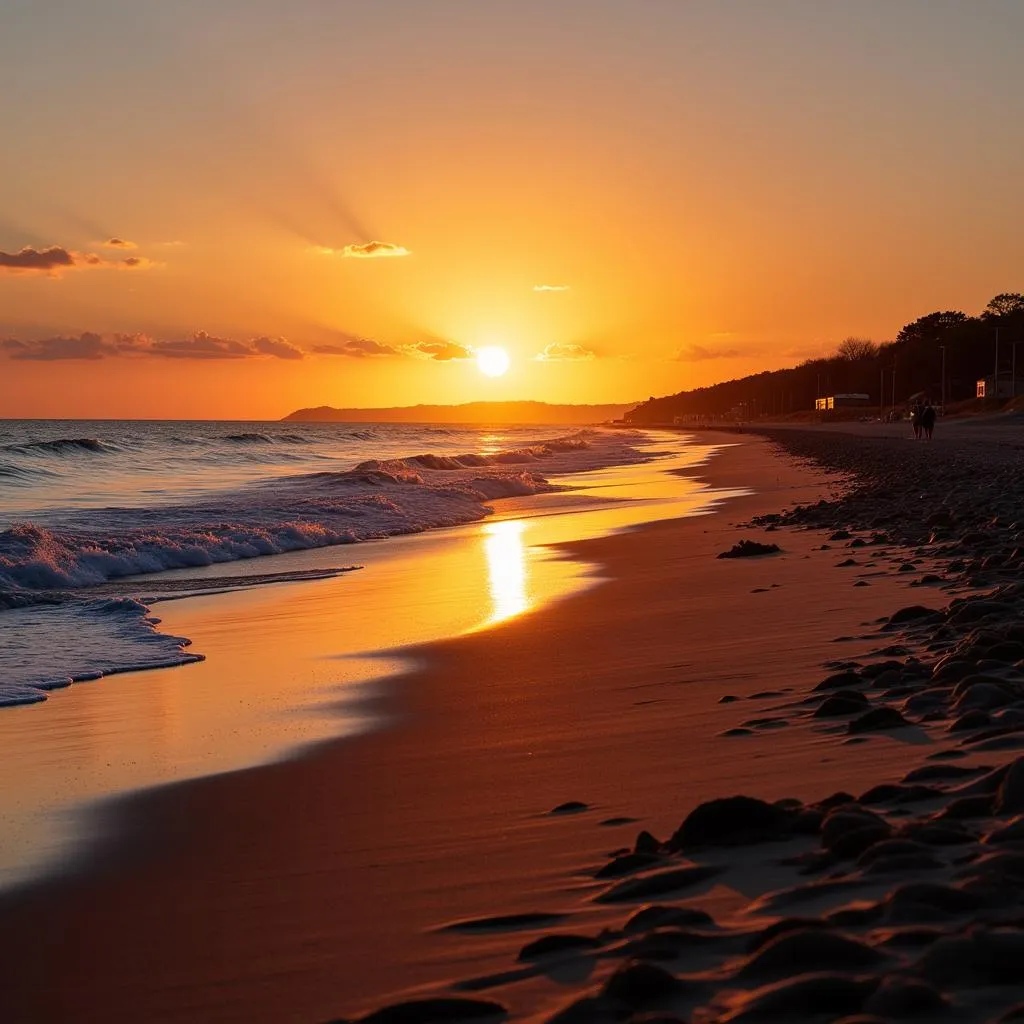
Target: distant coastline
{"type": "Point", "coordinates": [470, 412]}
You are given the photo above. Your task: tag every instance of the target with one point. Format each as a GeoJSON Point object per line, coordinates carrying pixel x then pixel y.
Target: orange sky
{"type": "Point", "coordinates": [706, 189]}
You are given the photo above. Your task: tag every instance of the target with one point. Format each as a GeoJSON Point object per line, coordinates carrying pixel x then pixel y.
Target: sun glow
{"type": "Point", "coordinates": [492, 360]}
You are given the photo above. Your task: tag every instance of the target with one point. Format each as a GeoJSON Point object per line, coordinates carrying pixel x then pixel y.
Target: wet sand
{"type": "Point", "coordinates": [318, 887]}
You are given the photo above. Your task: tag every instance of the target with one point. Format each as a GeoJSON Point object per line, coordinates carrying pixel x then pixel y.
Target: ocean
{"type": "Point", "coordinates": [94, 513]}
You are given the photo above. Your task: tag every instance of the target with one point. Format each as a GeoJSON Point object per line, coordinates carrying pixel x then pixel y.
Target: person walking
{"type": "Point", "coordinates": [928, 420]}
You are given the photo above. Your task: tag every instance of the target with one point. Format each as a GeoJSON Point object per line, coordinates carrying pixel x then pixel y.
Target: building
{"type": "Point", "coordinates": [852, 401]}
{"type": "Point", "coordinates": [1007, 387]}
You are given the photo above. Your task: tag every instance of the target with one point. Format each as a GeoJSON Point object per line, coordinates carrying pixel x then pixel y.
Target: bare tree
{"type": "Point", "coordinates": [855, 349]}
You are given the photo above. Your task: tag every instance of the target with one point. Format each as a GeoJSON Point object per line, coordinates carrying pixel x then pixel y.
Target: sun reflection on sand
{"type": "Point", "coordinates": [506, 568]}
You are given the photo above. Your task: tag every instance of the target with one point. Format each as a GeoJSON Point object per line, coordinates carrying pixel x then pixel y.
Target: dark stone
{"type": "Point", "coordinates": [731, 821]}
{"type": "Point", "coordinates": [839, 681]}
{"type": "Point", "coordinates": [912, 613]}
{"type": "Point", "coordinates": [800, 998]}
{"type": "Point", "coordinates": [1010, 797]}
{"type": "Point", "coordinates": [940, 772]}
{"type": "Point", "coordinates": [659, 883]}
{"type": "Point", "coordinates": [967, 807]}
{"type": "Point", "coordinates": [646, 843]}
{"type": "Point", "coordinates": [626, 864]}
{"type": "Point", "coordinates": [557, 945]}
{"type": "Point", "coordinates": [877, 719]}
{"type": "Point", "coordinates": [749, 549]}
{"type": "Point", "coordinates": [810, 949]}
{"type": "Point", "coordinates": [905, 997]}
{"type": "Point", "coordinates": [436, 1011]}
{"type": "Point", "coordinates": [845, 702]}
{"type": "Point", "coordinates": [640, 984]}
{"type": "Point", "coordinates": [658, 916]}
{"type": "Point", "coordinates": [570, 807]}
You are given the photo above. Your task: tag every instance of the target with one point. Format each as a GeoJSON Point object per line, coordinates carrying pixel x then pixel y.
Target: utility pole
{"type": "Point", "coordinates": [995, 375]}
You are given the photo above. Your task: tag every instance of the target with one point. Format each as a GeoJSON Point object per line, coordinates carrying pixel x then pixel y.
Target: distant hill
{"type": "Point", "coordinates": [471, 412]}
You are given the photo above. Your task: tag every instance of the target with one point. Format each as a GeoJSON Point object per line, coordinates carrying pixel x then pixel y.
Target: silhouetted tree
{"type": "Point", "coordinates": [854, 349]}
{"type": "Point", "coordinates": [1004, 304]}
{"type": "Point", "coordinates": [932, 327]}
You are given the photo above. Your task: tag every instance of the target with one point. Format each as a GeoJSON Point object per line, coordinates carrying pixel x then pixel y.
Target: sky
{"type": "Point", "coordinates": [235, 208]}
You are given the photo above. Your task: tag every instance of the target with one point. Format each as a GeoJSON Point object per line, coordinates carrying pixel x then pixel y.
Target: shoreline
{"type": "Point", "coordinates": [326, 861]}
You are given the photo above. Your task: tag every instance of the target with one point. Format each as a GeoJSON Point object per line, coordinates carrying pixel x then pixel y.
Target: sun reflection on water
{"type": "Point", "coordinates": [506, 569]}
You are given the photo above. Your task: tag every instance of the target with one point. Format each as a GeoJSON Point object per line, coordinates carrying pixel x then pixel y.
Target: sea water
{"type": "Point", "coordinates": [93, 513]}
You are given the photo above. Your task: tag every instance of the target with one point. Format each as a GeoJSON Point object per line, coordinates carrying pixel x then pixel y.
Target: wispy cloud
{"type": "Point", "coordinates": [558, 353]}
{"type": "Point", "coordinates": [364, 251]}
{"type": "Point", "coordinates": [550, 287]}
{"type": "Point", "coordinates": [198, 346]}
{"type": "Point", "coordinates": [356, 348]}
{"type": "Point", "coordinates": [441, 351]}
{"type": "Point", "coordinates": [55, 259]}
{"type": "Point", "coordinates": [701, 353]}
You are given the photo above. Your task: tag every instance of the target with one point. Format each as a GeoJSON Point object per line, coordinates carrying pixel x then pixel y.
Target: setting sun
{"type": "Point", "coordinates": [492, 360]}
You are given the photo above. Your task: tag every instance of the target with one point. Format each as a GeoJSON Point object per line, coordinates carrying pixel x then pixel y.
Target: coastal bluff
{"type": "Point", "coordinates": [469, 412]}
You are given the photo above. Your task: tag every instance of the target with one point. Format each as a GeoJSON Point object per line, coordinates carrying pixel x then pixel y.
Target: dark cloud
{"type": "Point", "coordinates": [701, 353]}
{"type": "Point", "coordinates": [56, 258]}
{"type": "Point", "coordinates": [29, 259]}
{"type": "Point", "coordinates": [83, 346]}
{"type": "Point", "coordinates": [442, 351]}
{"type": "Point", "coordinates": [356, 348]}
{"type": "Point", "coordinates": [556, 353]}
{"type": "Point", "coordinates": [200, 346]}
{"type": "Point", "coordinates": [119, 243]}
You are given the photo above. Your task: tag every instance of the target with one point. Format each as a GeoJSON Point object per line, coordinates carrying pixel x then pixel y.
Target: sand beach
{"type": "Point", "coordinates": [543, 781]}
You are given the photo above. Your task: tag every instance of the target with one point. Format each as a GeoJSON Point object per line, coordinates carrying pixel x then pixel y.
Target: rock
{"type": "Point", "coordinates": [1010, 797]}
{"type": "Point", "coordinates": [905, 997]}
{"type": "Point", "coordinates": [626, 864]}
{"type": "Point", "coordinates": [646, 843]}
{"type": "Point", "coordinates": [971, 720]}
{"type": "Point", "coordinates": [731, 821]}
{"type": "Point", "coordinates": [846, 702]}
{"type": "Point", "coordinates": [1012, 832]}
{"type": "Point", "coordinates": [729, 698]}
{"type": "Point", "coordinates": [657, 916]}
{"type": "Point", "coordinates": [588, 1010]}
{"type": "Point", "coordinates": [946, 898]}
{"type": "Point", "coordinates": [557, 945]}
{"type": "Point", "coordinates": [780, 927]}
{"type": "Point", "coordinates": [659, 883]}
{"type": "Point", "coordinates": [967, 807]}
{"type": "Point", "coordinates": [876, 720]}
{"type": "Point", "coordinates": [889, 848]}
{"type": "Point", "coordinates": [436, 1011]}
{"type": "Point", "coordinates": [799, 998]}
{"type": "Point", "coordinates": [810, 949]}
{"type": "Point", "coordinates": [912, 613]}
{"type": "Point", "coordinates": [641, 984]}
{"type": "Point", "coordinates": [839, 681]}
{"type": "Point", "coordinates": [941, 773]}
{"type": "Point", "coordinates": [749, 549]}
{"type": "Point", "coordinates": [570, 807]}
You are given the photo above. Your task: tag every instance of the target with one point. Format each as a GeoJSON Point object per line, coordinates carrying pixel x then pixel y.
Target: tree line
{"type": "Point", "coordinates": [942, 354]}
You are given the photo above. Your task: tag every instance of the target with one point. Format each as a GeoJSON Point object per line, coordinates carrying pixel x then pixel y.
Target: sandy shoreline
{"type": "Point", "coordinates": [315, 888]}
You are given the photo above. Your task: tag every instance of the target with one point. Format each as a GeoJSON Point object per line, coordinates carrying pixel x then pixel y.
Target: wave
{"type": "Point", "coordinates": [62, 446]}
{"type": "Point", "coordinates": [253, 437]}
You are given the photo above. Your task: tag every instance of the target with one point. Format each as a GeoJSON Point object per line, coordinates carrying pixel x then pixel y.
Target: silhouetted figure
{"type": "Point", "coordinates": [915, 419]}
{"type": "Point", "coordinates": [928, 420]}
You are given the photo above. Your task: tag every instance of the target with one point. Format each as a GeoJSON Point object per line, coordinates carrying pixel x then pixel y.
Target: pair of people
{"type": "Point", "coordinates": [923, 419]}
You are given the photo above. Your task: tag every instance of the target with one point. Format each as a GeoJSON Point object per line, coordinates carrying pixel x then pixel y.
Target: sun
{"type": "Point", "coordinates": [492, 360]}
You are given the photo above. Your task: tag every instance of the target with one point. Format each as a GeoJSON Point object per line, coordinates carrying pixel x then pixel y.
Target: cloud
{"type": "Point", "coordinates": [550, 287]}
{"type": "Point", "coordinates": [373, 250]}
{"type": "Point", "coordinates": [28, 259]}
{"type": "Point", "coordinates": [278, 347]}
{"type": "Point", "coordinates": [356, 348]}
{"type": "Point", "coordinates": [56, 258]}
{"type": "Point", "coordinates": [701, 353]}
{"type": "Point", "coordinates": [83, 346]}
{"type": "Point", "coordinates": [442, 351]}
{"type": "Point", "coordinates": [118, 243]}
{"type": "Point", "coordinates": [556, 353]}
{"type": "Point", "coordinates": [199, 346]}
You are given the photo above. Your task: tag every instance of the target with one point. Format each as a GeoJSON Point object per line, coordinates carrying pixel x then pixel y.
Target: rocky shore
{"type": "Point", "coordinates": [902, 902]}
